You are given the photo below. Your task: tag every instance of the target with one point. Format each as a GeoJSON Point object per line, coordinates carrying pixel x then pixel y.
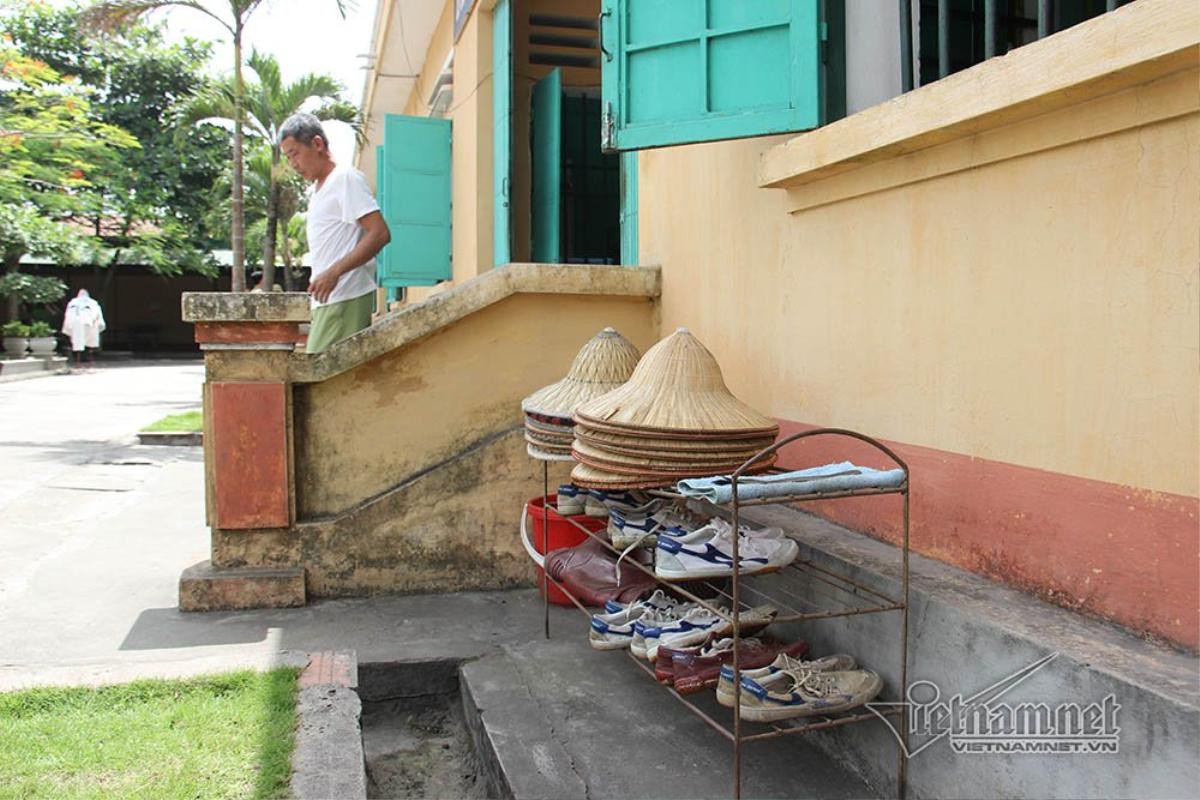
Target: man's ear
{"type": "Point", "coordinates": [324, 144]}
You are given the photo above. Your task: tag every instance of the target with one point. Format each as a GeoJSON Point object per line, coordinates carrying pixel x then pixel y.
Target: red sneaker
{"type": "Point", "coordinates": [694, 671]}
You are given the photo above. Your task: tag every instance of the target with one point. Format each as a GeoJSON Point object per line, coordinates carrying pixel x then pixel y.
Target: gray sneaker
{"type": "Point", "coordinates": [836, 662]}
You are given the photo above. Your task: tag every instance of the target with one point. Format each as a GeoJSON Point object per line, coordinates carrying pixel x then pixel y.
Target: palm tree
{"type": "Point", "coordinates": [268, 103]}
{"type": "Point", "coordinates": [113, 14]}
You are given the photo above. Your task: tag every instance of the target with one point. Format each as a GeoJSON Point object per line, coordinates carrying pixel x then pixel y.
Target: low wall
{"type": "Point", "coordinates": [395, 461]}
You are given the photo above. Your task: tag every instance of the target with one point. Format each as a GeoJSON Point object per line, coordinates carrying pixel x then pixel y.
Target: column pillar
{"type": "Point", "coordinates": [248, 340]}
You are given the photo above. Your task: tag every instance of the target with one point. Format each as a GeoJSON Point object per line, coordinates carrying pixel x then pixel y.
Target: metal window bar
{"type": "Point", "coordinates": [999, 34]}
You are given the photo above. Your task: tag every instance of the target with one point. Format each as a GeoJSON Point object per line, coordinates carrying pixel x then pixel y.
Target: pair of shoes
{"type": "Point", "coordinates": [785, 695]}
{"type": "Point", "coordinates": [833, 663]}
{"type": "Point", "coordinates": [629, 528]}
{"type": "Point", "coordinates": [614, 629]}
{"type": "Point", "coordinates": [694, 626]}
{"type": "Point", "coordinates": [800, 688]}
{"type": "Point", "coordinates": [692, 669]}
{"type": "Point", "coordinates": [570, 500]}
{"type": "Point", "coordinates": [598, 502]}
{"type": "Point", "coordinates": [708, 552]}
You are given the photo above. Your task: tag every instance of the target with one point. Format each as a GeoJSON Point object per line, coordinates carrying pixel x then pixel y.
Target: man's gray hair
{"type": "Point", "coordinates": [302, 127]}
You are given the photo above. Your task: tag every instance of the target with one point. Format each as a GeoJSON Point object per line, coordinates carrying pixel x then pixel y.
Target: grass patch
{"type": "Point", "coordinates": [224, 736]}
{"type": "Point", "coordinates": [189, 422]}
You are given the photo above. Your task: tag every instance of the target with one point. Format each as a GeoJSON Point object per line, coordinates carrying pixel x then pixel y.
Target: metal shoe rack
{"type": "Point", "coordinates": [856, 599]}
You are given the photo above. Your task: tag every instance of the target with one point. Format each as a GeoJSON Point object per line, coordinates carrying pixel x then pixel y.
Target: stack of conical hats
{"type": "Point", "coordinates": [605, 362]}
{"type": "Point", "coordinates": [673, 419]}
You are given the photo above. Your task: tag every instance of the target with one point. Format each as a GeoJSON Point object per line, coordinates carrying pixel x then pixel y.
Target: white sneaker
{"type": "Point", "coordinates": [654, 620]}
{"type": "Point", "coordinates": [694, 625]}
{"type": "Point", "coordinates": [784, 662]}
{"type": "Point", "coordinates": [569, 500]}
{"type": "Point", "coordinates": [615, 631]}
{"type": "Point", "coordinates": [786, 695]}
{"type": "Point", "coordinates": [659, 601]}
{"type": "Point", "coordinates": [708, 553]}
{"type": "Point", "coordinates": [689, 632]}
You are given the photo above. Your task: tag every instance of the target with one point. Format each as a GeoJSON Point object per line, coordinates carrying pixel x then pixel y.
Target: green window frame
{"type": "Point", "coordinates": [682, 71]}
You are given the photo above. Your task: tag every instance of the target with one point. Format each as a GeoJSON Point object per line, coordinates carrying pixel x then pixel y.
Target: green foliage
{"type": "Point", "coordinates": [153, 206]}
{"type": "Point", "coordinates": [15, 328]}
{"type": "Point", "coordinates": [222, 736]}
{"type": "Point", "coordinates": [40, 330]}
{"type": "Point", "coordinates": [32, 289]}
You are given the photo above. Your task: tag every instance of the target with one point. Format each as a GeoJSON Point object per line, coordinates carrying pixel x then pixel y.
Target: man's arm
{"type": "Point", "coordinates": [375, 236]}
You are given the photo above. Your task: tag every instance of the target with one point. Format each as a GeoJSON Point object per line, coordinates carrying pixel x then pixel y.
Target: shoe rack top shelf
{"type": "Point", "coordinates": [842, 596]}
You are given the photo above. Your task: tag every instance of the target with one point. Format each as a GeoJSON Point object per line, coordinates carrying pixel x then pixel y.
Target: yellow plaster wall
{"type": "Point", "coordinates": [376, 426]}
{"type": "Point", "coordinates": [1039, 310]}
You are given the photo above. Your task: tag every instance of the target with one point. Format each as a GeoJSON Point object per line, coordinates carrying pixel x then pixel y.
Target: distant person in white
{"type": "Point", "coordinates": [345, 232]}
{"type": "Point", "coordinates": [83, 322]}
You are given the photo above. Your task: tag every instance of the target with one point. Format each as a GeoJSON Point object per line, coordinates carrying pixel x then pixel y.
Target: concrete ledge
{"type": "Point", "coordinates": [328, 757]}
{"type": "Point", "coordinates": [966, 633]}
{"type": "Point", "coordinates": [416, 321]}
{"type": "Point", "coordinates": [202, 588]}
{"type": "Point", "coordinates": [1135, 44]}
{"type": "Point", "coordinates": [171, 438]}
{"type": "Point", "coordinates": [16, 369]}
{"type": "Point", "coordinates": [246, 307]}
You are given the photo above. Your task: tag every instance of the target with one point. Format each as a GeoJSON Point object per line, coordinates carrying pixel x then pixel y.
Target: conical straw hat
{"type": "Point", "coordinates": [592, 478]}
{"type": "Point", "coordinates": [532, 424]}
{"type": "Point", "coordinates": [544, 455]}
{"type": "Point", "coordinates": [605, 362]}
{"type": "Point", "coordinates": [657, 470]}
{"type": "Point", "coordinates": [547, 442]}
{"type": "Point", "coordinates": [659, 461]}
{"type": "Point", "coordinates": [646, 443]}
{"type": "Point", "coordinates": [676, 387]}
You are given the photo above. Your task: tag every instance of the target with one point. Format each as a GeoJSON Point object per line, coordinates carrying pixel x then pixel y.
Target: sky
{"type": "Point", "coordinates": [304, 35]}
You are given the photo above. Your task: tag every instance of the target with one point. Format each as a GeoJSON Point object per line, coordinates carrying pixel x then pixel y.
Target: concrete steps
{"type": "Point", "coordinates": [556, 719]}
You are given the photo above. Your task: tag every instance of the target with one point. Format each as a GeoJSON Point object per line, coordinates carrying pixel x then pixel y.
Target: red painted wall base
{"type": "Point", "coordinates": [1126, 554]}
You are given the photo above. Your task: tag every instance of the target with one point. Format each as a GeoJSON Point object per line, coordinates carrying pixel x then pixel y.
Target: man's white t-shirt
{"type": "Point", "coordinates": [333, 230]}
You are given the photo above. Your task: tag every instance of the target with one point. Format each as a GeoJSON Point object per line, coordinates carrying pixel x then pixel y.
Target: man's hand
{"type": "Point", "coordinates": [323, 285]}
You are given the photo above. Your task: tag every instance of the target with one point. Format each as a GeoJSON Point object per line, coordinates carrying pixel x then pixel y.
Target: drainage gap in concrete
{"type": "Point", "coordinates": [417, 745]}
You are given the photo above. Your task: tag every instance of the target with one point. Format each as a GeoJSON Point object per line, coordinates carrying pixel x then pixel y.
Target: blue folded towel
{"type": "Point", "coordinates": [840, 477]}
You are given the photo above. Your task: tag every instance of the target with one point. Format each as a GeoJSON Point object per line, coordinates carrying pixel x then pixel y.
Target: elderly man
{"type": "Point", "coordinates": [345, 232]}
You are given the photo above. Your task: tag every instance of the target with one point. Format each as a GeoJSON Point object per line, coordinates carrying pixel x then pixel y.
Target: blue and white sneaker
{"type": "Point", "coordinates": [653, 621]}
{"type": "Point", "coordinates": [783, 663]}
{"type": "Point", "coordinates": [684, 634]}
{"type": "Point", "coordinates": [570, 500]}
{"type": "Point", "coordinates": [659, 601]}
{"type": "Point", "coordinates": [599, 502]}
{"type": "Point", "coordinates": [786, 695]}
{"type": "Point", "coordinates": [627, 528]}
{"type": "Point", "coordinates": [696, 621]}
{"type": "Point", "coordinates": [708, 553]}
{"type": "Point", "coordinates": [614, 631]}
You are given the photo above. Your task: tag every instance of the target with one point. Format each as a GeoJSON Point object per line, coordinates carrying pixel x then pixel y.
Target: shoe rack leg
{"type": "Point", "coordinates": [546, 544]}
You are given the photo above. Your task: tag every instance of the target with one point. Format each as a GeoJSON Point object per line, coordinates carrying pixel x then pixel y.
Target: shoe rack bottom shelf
{"type": "Point", "coordinates": [762, 730]}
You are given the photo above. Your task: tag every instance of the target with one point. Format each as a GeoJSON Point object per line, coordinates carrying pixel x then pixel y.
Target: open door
{"type": "Point", "coordinates": [547, 168]}
{"type": "Point", "coordinates": [502, 113]}
{"type": "Point", "coordinates": [414, 194]}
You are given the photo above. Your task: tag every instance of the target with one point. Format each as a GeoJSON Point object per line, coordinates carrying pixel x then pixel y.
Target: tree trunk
{"type": "Point", "coordinates": [237, 234]}
{"type": "Point", "coordinates": [272, 221]}
{"type": "Point", "coordinates": [12, 265]}
{"type": "Point", "coordinates": [286, 254]}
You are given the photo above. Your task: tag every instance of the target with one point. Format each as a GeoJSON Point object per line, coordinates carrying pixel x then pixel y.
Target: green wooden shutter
{"type": "Point", "coordinates": [382, 257]}
{"type": "Point", "coordinates": [629, 209]}
{"type": "Point", "coordinates": [502, 59]}
{"type": "Point", "coordinates": [677, 71]}
{"type": "Point", "coordinates": [414, 193]}
{"type": "Point", "coordinates": [547, 168]}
